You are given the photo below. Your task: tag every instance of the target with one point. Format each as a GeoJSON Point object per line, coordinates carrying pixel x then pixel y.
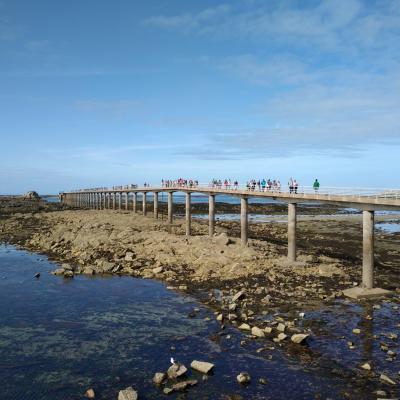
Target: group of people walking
{"type": "Point", "coordinates": [181, 182]}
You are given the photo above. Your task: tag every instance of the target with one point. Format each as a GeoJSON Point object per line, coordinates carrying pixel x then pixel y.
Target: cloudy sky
{"type": "Point", "coordinates": [98, 93]}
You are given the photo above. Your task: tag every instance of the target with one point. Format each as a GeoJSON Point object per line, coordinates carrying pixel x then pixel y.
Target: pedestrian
{"type": "Point", "coordinates": [316, 185]}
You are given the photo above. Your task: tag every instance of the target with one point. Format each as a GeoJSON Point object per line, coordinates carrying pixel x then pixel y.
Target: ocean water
{"type": "Point", "coordinates": [59, 337]}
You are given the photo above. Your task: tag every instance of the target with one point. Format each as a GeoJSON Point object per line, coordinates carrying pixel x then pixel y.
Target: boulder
{"type": "Point", "coordinates": [184, 384]}
{"type": "Point", "coordinates": [90, 394]}
{"type": "Point", "coordinates": [128, 394]}
{"type": "Point", "coordinates": [222, 239]}
{"type": "Point", "coordinates": [243, 378]}
{"type": "Point", "coordinates": [238, 296]}
{"type": "Point", "coordinates": [159, 378]}
{"type": "Point", "coordinates": [202, 366]}
{"type": "Point", "coordinates": [299, 338]}
{"type": "Point", "coordinates": [255, 331]}
{"type": "Point", "coordinates": [31, 195]}
{"type": "Point", "coordinates": [176, 370]}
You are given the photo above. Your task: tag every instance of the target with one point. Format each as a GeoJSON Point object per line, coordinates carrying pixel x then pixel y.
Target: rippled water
{"type": "Point", "coordinates": [58, 337]}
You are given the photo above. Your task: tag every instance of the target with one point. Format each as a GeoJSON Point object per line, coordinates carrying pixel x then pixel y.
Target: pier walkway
{"type": "Point", "coordinates": [367, 200]}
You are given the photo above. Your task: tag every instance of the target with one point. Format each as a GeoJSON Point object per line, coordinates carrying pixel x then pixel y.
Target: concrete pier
{"type": "Point", "coordinates": [155, 203]}
{"type": "Point", "coordinates": [119, 201]}
{"type": "Point", "coordinates": [244, 223]}
{"type": "Point", "coordinates": [170, 207]}
{"type": "Point", "coordinates": [211, 215]}
{"type": "Point", "coordinates": [113, 201]}
{"type": "Point", "coordinates": [292, 224]}
{"type": "Point", "coordinates": [144, 203]}
{"type": "Point", "coordinates": [135, 202]}
{"type": "Point", "coordinates": [108, 201]}
{"type": "Point", "coordinates": [127, 201]}
{"type": "Point", "coordinates": [188, 216]}
{"type": "Point", "coordinates": [368, 250]}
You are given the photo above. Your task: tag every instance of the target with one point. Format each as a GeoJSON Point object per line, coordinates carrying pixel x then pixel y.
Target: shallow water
{"type": "Point", "coordinates": [58, 337]}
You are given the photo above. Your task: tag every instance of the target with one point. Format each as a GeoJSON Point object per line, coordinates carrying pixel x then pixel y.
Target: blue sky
{"type": "Point", "coordinates": [98, 93]}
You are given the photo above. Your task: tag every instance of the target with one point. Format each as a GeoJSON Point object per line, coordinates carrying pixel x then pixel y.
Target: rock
{"type": "Point", "coordinates": [90, 394]}
{"type": "Point", "coordinates": [176, 370]}
{"type": "Point", "coordinates": [31, 195]}
{"type": "Point", "coordinates": [168, 390]}
{"type": "Point", "coordinates": [356, 331]}
{"type": "Point", "coordinates": [299, 338]}
{"type": "Point", "coordinates": [366, 366]}
{"type": "Point", "coordinates": [232, 306]}
{"type": "Point", "coordinates": [202, 366]}
{"type": "Point", "coordinates": [243, 378]}
{"type": "Point", "coordinates": [268, 329]}
{"type": "Point", "coordinates": [381, 393]}
{"type": "Point", "coordinates": [384, 378]}
{"type": "Point", "coordinates": [128, 394]}
{"type": "Point", "coordinates": [255, 331]}
{"type": "Point", "coordinates": [58, 271]}
{"type": "Point", "coordinates": [238, 296]}
{"type": "Point", "coordinates": [262, 381]}
{"type": "Point", "coordinates": [88, 271]}
{"type": "Point", "coordinates": [129, 256]}
{"type": "Point", "coordinates": [281, 327]}
{"type": "Point", "coordinates": [184, 384]}
{"type": "Point", "coordinates": [245, 327]}
{"type": "Point", "coordinates": [157, 270]}
{"type": "Point", "coordinates": [159, 378]}
{"type": "Point", "coordinates": [37, 275]}
{"type": "Point", "coordinates": [282, 336]}
{"type": "Point", "coordinates": [68, 274]}
{"type": "Point", "coordinates": [222, 239]}
{"type": "Point", "coordinates": [220, 317]}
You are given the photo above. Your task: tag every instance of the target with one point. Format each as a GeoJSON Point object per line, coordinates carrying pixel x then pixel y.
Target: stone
{"type": "Point", "coordinates": [184, 384]}
{"type": "Point", "coordinates": [281, 327]}
{"type": "Point", "coordinates": [159, 377]}
{"type": "Point", "coordinates": [255, 331]}
{"type": "Point", "coordinates": [58, 271]}
{"type": "Point", "coordinates": [37, 275]}
{"type": "Point", "coordinates": [299, 338]}
{"type": "Point", "coordinates": [384, 378]}
{"type": "Point", "coordinates": [157, 270]}
{"type": "Point", "coordinates": [381, 393]}
{"type": "Point", "coordinates": [262, 381]}
{"type": "Point", "coordinates": [68, 274]}
{"type": "Point", "coordinates": [232, 307]}
{"type": "Point", "coordinates": [176, 370]}
{"type": "Point", "coordinates": [220, 317]}
{"type": "Point", "coordinates": [128, 394]}
{"type": "Point", "coordinates": [356, 331]}
{"type": "Point", "coordinates": [243, 378]}
{"type": "Point", "coordinates": [282, 336]}
{"type": "Point", "coordinates": [238, 296]}
{"type": "Point", "coordinates": [31, 195]}
{"type": "Point", "coordinates": [90, 394]}
{"type": "Point", "coordinates": [202, 366]}
{"type": "Point", "coordinates": [168, 390]}
{"type": "Point", "coordinates": [363, 293]}
{"type": "Point", "coordinates": [366, 366]}
{"type": "Point", "coordinates": [222, 239]}
{"type": "Point", "coordinates": [129, 256]}
{"type": "Point", "coordinates": [268, 329]}
{"type": "Point", "coordinates": [245, 327]}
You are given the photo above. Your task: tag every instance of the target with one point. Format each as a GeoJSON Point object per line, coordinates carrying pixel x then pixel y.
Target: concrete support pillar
{"type": "Point", "coordinates": [134, 202]}
{"type": "Point", "coordinates": [126, 201]}
{"type": "Point", "coordinates": [108, 200]}
{"type": "Point", "coordinates": [211, 215]}
{"type": "Point", "coordinates": [170, 207]}
{"type": "Point", "coordinates": [368, 250]}
{"type": "Point", "coordinates": [244, 224]}
{"type": "Point", "coordinates": [113, 200]}
{"type": "Point", "coordinates": [144, 203]}
{"type": "Point", "coordinates": [292, 222]}
{"type": "Point", "coordinates": [155, 201]}
{"type": "Point", "coordinates": [188, 216]}
{"type": "Point", "coordinates": [119, 201]}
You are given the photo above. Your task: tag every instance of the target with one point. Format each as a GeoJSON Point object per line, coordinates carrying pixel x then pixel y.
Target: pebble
{"type": "Point", "coordinates": [220, 317]}
{"type": "Point", "coordinates": [356, 331]}
{"type": "Point", "coordinates": [282, 336]}
{"type": "Point", "coordinates": [268, 329]}
{"type": "Point", "coordinates": [366, 366]}
{"type": "Point", "coordinates": [238, 296]}
{"type": "Point", "coordinates": [243, 378]}
{"type": "Point", "coordinates": [281, 327]}
{"type": "Point", "coordinates": [245, 327]}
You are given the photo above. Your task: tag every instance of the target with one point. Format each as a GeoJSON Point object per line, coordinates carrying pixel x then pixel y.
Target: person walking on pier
{"type": "Point", "coordinates": [316, 185]}
{"type": "Point", "coordinates": [290, 184]}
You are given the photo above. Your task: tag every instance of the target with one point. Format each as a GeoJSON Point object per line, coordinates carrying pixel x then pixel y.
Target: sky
{"type": "Point", "coordinates": [98, 93]}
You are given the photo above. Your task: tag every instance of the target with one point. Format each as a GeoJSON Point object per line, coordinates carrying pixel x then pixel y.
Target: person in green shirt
{"type": "Point", "coordinates": [316, 185]}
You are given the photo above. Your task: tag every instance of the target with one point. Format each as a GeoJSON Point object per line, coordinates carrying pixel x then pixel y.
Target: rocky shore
{"type": "Point", "coordinates": [252, 288]}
